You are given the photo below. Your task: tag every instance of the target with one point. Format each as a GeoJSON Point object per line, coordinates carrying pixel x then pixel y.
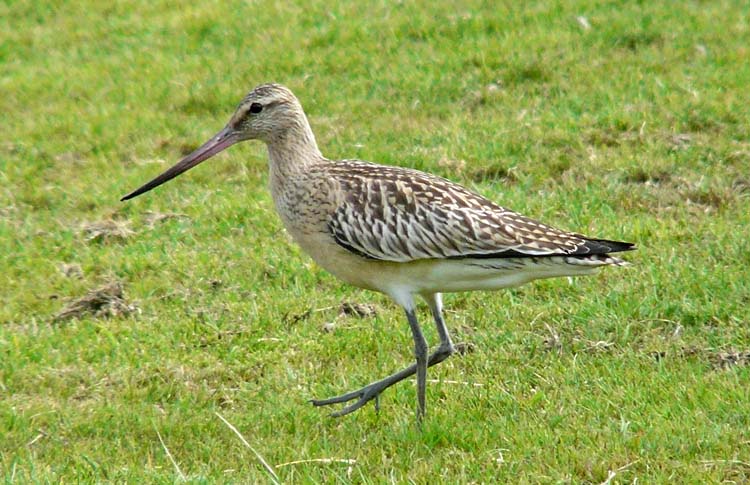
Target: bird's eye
{"type": "Point", "coordinates": [256, 108]}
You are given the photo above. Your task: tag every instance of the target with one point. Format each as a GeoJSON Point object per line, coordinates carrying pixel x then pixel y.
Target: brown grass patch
{"type": "Point", "coordinates": [153, 218]}
{"type": "Point", "coordinates": [107, 230]}
{"type": "Point", "coordinates": [359, 310]}
{"type": "Point", "coordinates": [104, 302]}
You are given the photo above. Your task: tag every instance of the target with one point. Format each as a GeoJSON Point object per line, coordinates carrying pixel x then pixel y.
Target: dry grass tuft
{"type": "Point", "coordinates": [104, 302]}
{"type": "Point", "coordinates": [725, 360]}
{"type": "Point", "coordinates": [71, 270]}
{"type": "Point", "coordinates": [359, 310]}
{"type": "Point", "coordinates": [107, 230]}
{"type": "Point", "coordinates": [153, 218]}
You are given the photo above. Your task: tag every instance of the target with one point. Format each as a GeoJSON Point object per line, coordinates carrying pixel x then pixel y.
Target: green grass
{"type": "Point", "coordinates": [635, 128]}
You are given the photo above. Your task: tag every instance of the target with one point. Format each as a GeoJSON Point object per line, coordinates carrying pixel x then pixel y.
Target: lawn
{"type": "Point", "coordinates": [623, 120]}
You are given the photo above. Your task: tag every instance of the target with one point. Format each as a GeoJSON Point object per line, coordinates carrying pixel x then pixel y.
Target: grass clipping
{"type": "Point", "coordinates": [107, 230]}
{"type": "Point", "coordinates": [104, 302]}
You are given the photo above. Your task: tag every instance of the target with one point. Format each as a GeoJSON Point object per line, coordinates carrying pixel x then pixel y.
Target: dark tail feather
{"type": "Point", "coordinates": [604, 246]}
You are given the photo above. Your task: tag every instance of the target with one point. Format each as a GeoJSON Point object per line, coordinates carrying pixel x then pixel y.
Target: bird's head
{"type": "Point", "coordinates": [269, 112]}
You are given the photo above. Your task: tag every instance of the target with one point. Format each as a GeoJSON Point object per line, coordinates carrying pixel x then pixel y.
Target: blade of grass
{"type": "Point", "coordinates": [262, 460]}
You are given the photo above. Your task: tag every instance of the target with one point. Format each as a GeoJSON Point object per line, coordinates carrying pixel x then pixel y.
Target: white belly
{"type": "Point", "coordinates": [433, 275]}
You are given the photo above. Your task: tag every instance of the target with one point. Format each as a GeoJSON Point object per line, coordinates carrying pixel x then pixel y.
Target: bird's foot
{"type": "Point", "coordinates": [363, 396]}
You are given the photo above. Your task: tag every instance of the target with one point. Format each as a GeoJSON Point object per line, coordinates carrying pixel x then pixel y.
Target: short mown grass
{"type": "Point", "coordinates": [624, 120]}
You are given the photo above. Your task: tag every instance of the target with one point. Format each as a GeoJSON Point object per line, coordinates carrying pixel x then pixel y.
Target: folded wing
{"type": "Point", "coordinates": [393, 214]}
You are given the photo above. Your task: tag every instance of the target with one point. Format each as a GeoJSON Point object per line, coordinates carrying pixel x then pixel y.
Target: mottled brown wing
{"type": "Point", "coordinates": [396, 214]}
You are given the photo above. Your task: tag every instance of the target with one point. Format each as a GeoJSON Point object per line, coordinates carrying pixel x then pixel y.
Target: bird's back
{"type": "Point", "coordinates": [400, 215]}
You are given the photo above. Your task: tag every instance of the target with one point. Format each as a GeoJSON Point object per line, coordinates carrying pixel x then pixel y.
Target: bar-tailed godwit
{"type": "Point", "coordinates": [395, 230]}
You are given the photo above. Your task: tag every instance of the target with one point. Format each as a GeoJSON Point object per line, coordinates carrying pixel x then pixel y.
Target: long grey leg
{"type": "Point", "coordinates": [373, 390]}
{"type": "Point", "coordinates": [435, 301]}
{"type": "Point", "coordinates": [420, 353]}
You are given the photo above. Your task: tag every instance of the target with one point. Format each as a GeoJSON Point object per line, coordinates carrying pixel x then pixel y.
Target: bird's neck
{"type": "Point", "coordinates": [293, 151]}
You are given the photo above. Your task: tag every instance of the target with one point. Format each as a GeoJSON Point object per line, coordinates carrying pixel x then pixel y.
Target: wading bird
{"type": "Point", "coordinates": [395, 230]}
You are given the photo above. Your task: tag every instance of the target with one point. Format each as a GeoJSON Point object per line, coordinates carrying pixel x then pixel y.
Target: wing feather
{"type": "Point", "coordinates": [396, 214]}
